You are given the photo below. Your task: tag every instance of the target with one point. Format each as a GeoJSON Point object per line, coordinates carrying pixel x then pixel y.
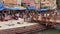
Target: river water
{"type": "Point", "coordinates": [49, 31]}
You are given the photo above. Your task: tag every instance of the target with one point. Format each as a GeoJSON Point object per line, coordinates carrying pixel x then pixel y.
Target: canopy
{"type": "Point", "coordinates": [31, 8]}
{"type": "Point", "coordinates": [1, 6]}
{"type": "Point", "coordinates": [16, 8]}
{"type": "Point", "coordinates": [42, 10]}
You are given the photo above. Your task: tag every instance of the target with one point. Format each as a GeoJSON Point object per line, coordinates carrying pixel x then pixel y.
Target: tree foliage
{"type": "Point", "coordinates": [58, 2]}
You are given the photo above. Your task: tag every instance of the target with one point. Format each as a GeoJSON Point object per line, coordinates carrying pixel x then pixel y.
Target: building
{"type": "Point", "coordinates": [48, 3]}
{"type": "Point", "coordinates": [37, 3]}
{"type": "Point", "coordinates": [10, 1]}
{"type": "Point", "coordinates": [41, 3]}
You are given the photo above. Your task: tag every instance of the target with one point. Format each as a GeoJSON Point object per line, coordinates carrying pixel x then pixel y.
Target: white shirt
{"type": "Point", "coordinates": [17, 14]}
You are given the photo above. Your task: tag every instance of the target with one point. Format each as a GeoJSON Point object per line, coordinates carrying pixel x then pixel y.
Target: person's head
{"type": "Point", "coordinates": [26, 11]}
{"type": "Point", "coordinates": [28, 5]}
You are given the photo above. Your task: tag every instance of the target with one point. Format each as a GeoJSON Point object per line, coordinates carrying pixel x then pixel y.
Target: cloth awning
{"type": "Point", "coordinates": [42, 10]}
{"type": "Point", "coordinates": [31, 8]}
{"type": "Point", "coordinates": [1, 6]}
{"type": "Point", "coordinates": [15, 8]}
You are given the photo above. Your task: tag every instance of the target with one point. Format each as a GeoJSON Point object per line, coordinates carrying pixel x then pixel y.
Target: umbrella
{"type": "Point", "coordinates": [1, 6]}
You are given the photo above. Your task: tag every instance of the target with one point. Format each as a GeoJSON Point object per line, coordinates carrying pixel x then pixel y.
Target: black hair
{"type": "Point", "coordinates": [28, 5]}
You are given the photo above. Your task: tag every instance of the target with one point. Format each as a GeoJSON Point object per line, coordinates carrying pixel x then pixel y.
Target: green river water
{"type": "Point", "coordinates": [49, 31]}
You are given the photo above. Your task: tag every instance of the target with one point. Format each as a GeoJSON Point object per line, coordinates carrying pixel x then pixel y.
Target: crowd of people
{"type": "Point", "coordinates": [25, 14]}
